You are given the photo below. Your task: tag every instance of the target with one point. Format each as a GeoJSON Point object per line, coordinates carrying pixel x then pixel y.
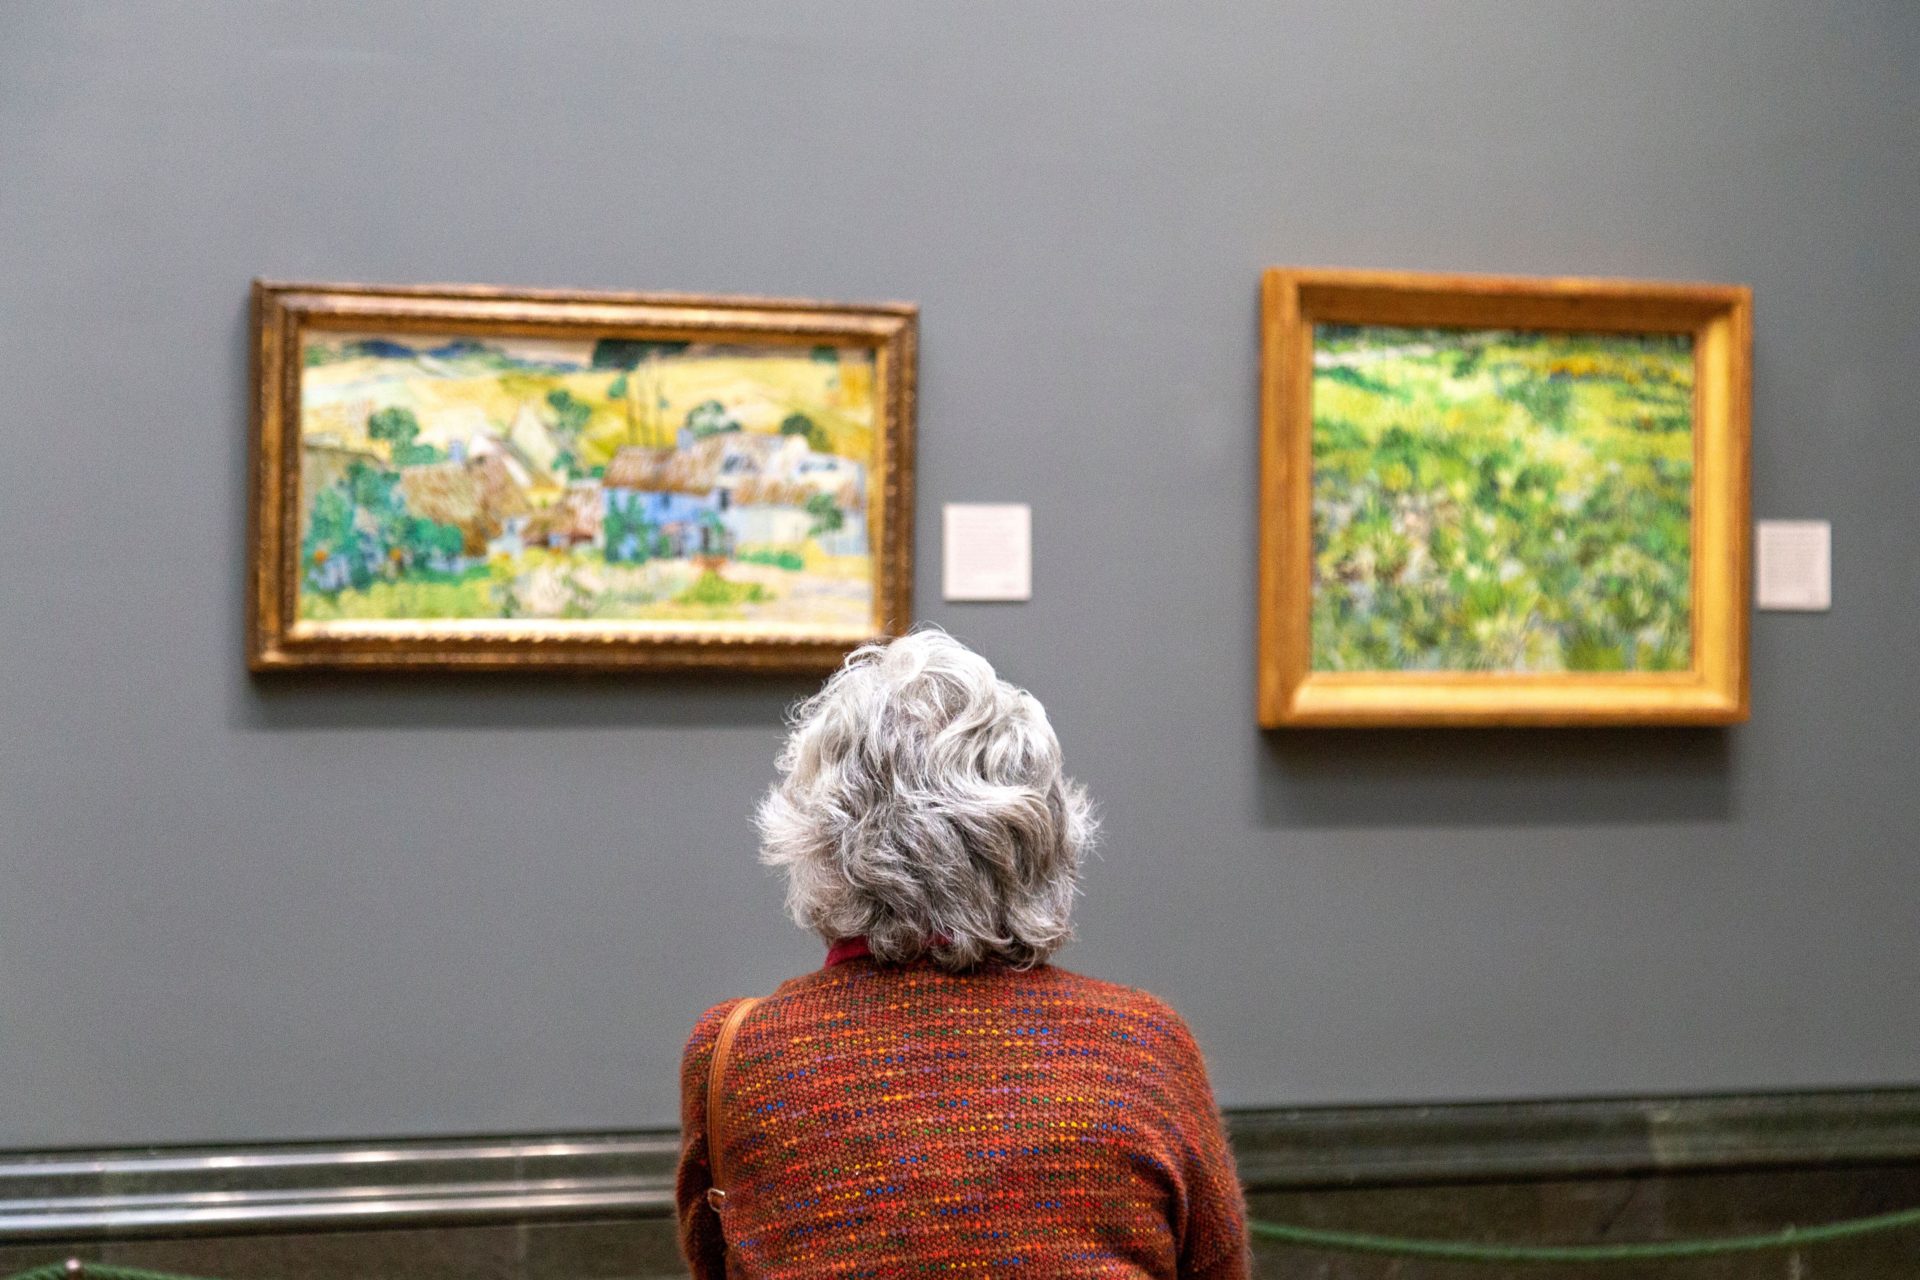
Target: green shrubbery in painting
{"type": "Point", "coordinates": [630, 537]}
{"type": "Point", "coordinates": [826, 515]}
{"type": "Point", "coordinates": [799, 424]}
{"type": "Point", "coordinates": [712, 589]}
{"type": "Point", "coordinates": [1498, 501]}
{"type": "Point", "coordinates": [399, 427]}
{"type": "Point", "coordinates": [360, 532]}
{"type": "Point", "coordinates": [779, 558]}
{"type": "Point", "coordinates": [453, 595]}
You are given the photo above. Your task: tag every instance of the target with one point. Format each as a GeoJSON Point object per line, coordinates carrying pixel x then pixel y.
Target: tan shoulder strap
{"type": "Point", "coordinates": [716, 1117]}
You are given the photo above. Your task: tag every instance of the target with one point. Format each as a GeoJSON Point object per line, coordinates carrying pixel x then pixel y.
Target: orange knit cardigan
{"type": "Point", "coordinates": [901, 1120]}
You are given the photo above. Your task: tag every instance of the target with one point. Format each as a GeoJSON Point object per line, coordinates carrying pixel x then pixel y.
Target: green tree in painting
{"type": "Point", "coordinates": [399, 428]}
{"type": "Point", "coordinates": [631, 353]}
{"type": "Point", "coordinates": [628, 536]}
{"type": "Point", "coordinates": [571, 415]}
{"type": "Point", "coordinates": [799, 424]}
{"type": "Point", "coordinates": [432, 544]}
{"type": "Point", "coordinates": [360, 531]}
{"type": "Point", "coordinates": [710, 418]}
{"type": "Point", "coordinates": [329, 552]}
{"type": "Point", "coordinates": [631, 356]}
{"type": "Point", "coordinates": [827, 517]}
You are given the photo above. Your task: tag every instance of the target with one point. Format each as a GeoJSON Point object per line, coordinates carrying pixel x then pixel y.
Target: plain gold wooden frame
{"type": "Point", "coordinates": [278, 641]}
{"type": "Point", "coordinates": [1712, 691]}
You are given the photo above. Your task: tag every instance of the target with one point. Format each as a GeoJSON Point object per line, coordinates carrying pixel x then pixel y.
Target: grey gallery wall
{"type": "Point", "coordinates": [236, 909]}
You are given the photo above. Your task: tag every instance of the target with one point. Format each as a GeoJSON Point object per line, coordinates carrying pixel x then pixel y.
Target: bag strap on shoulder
{"type": "Point", "coordinates": [716, 1117]}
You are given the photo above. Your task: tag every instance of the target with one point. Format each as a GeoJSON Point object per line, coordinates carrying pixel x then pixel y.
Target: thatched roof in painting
{"type": "Point", "coordinates": [477, 493]}
{"type": "Point", "coordinates": [758, 468]}
{"type": "Point", "coordinates": [756, 491]}
{"type": "Point", "coordinates": [654, 471]}
{"type": "Point", "coordinates": [735, 458]}
{"type": "Point", "coordinates": [576, 515]}
{"type": "Point", "coordinates": [500, 494]}
{"type": "Point", "coordinates": [791, 486]}
{"type": "Point", "coordinates": [694, 469]}
{"type": "Point", "coordinates": [442, 492]}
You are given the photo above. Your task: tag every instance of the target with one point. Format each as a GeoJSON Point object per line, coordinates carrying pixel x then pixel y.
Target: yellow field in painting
{"type": "Point", "coordinates": [761, 389]}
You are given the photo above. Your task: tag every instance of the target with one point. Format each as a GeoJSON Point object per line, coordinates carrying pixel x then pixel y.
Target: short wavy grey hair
{"type": "Point", "coordinates": [921, 804]}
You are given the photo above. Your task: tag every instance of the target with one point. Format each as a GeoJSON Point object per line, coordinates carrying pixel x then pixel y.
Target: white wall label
{"type": "Point", "coordinates": [1793, 564]}
{"type": "Point", "coordinates": [986, 551]}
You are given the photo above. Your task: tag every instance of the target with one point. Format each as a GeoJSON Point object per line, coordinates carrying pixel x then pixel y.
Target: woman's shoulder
{"type": "Point", "coordinates": [1129, 999]}
{"type": "Point", "coordinates": [1134, 1011]}
{"type": "Point", "coordinates": [706, 1028]}
{"type": "Point", "coordinates": [706, 1031]}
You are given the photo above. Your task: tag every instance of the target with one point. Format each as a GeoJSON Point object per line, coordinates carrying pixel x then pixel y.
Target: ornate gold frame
{"type": "Point", "coordinates": [278, 641]}
{"type": "Point", "coordinates": [1713, 691]}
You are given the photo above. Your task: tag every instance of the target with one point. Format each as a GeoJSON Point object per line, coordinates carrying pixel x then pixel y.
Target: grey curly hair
{"type": "Point", "coordinates": [921, 804]}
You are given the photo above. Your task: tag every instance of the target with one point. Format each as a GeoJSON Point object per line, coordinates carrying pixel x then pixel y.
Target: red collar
{"type": "Point", "coordinates": [847, 949]}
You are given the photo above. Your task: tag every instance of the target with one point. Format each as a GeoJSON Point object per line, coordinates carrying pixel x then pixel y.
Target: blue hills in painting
{"type": "Point", "coordinates": [457, 356]}
{"type": "Point", "coordinates": [459, 351]}
{"type": "Point", "coordinates": [379, 347]}
{"type": "Point", "coordinates": [457, 348]}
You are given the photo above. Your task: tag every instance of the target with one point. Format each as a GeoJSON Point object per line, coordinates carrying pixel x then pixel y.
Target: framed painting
{"type": "Point", "coordinates": [477, 478]}
{"type": "Point", "coordinates": [1502, 501]}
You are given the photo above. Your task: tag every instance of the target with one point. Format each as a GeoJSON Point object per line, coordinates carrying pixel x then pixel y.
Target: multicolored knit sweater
{"type": "Point", "coordinates": [890, 1121]}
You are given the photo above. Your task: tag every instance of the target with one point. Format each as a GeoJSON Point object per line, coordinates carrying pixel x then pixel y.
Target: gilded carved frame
{"type": "Point", "coordinates": [278, 640]}
{"type": "Point", "coordinates": [1713, 690]}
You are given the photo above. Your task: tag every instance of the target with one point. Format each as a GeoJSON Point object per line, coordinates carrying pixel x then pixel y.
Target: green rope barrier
{"type": "Point", "coordinates": [1466, 1251]}
{"type": "Point", "coordinates": [77, 1270]}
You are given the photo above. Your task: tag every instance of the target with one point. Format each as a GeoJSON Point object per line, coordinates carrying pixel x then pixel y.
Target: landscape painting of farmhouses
{"type": "Point", "coordinates": [720, 493]}
{"type": "Point", "coordinates": [1491, 500]}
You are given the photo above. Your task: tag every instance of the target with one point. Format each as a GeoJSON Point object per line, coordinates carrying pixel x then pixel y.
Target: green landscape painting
{"type": "Point", "coordinates": [519, 480]}
{"type": "Point", "coordinates": [1501, 501]}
